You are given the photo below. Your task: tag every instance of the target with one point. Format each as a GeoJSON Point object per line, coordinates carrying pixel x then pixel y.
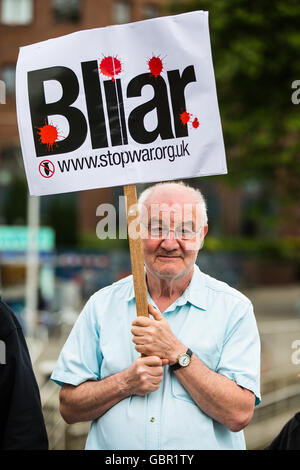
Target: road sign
{"type": "Point", "coordinates": [17, 238]}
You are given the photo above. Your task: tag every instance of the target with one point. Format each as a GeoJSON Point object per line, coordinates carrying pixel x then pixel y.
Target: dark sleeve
{"type": "Point", "coordinates": [289, 436]}
{"type": "Point", "coordinates": [23, 427]}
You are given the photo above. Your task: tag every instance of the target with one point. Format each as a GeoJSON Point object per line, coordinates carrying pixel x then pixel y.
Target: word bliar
{"type": "Point", "coordinates": [111, 91]}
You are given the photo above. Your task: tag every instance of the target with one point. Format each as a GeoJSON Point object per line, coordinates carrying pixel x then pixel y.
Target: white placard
{"type": "Point", "coordinates": [124, 104]}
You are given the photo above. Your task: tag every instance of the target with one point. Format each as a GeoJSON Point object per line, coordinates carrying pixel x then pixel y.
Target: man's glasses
{"type": "Point", "coordinates": [181, 232]}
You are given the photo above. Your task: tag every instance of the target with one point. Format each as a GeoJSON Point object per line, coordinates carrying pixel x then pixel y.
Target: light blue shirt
{"type": "Point", "coordinates": [214, 320]}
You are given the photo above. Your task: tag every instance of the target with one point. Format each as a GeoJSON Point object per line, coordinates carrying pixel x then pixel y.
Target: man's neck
{"type": "Point", "coordinates": [165, 291]}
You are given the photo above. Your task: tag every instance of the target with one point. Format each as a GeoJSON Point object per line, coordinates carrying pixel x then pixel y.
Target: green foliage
{"type": "Point", "coordinates": [286, 249]}
{"type": "Point", "coordinates": [92, 242]}
{"type": "Point", "coordinates": [15, 207]}
{"type": "Point", "coordinates": [255, 47]}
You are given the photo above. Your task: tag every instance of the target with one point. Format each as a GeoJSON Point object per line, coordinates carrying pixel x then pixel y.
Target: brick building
{"type": "Point", "coordinates": [24, 22]}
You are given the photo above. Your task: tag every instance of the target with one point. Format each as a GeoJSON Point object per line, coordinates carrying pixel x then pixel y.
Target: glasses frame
{"type": "Point", "coordinates": [166, 233]}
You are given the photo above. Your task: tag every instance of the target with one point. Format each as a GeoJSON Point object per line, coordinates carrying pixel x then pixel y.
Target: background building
{"type": "Point", "coordinates": [24, 22]}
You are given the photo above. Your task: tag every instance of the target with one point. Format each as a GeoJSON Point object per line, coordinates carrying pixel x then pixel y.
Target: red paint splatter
{"type": "Point", "coordinates": [185, 117]}
{"type": "Point", "coordinates": [110, 67]}
{"type": "Point", "coordinates": [195, 123]}
{"type": "Point", "coordinates": [49, 135]}
{"type": "Point", "coordinates": [155, 66]}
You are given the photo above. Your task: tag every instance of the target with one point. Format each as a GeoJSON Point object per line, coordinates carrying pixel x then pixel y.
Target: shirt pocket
{"type": "Point", "coordinates": [178, 391]}
{"type": "Point", "coordinates": [209, 357]}
{"type": "Point", "coordinates": [116, 357]}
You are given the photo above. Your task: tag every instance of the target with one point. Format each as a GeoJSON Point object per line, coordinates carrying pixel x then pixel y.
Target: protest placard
{"type": "Point", "coordinates": [125, 104]}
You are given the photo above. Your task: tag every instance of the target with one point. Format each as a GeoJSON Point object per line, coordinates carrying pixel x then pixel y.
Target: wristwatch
{"type": "Point", "coordinates": [183, 360]}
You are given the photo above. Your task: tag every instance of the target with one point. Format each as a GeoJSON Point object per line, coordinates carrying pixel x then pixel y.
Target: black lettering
{"type": "Point", "coordinates": [103, 159]}
{"type": "Point", "coordinates": [118, 161]}
{"type": "Point", "coordinates": [109, 155]}
{"type": "Point", "coordinates": [158, 157]}
{"type": "Point", "coordinates": [40, 110]}
{"type": "Point", "coordinates": [78, 164]}
{"type": "Point", "coordinates": [115, 111]}
{"type": "Point", "coordinates": [64, 165]}
{"type": "Point", "coordinates": [91, 162]}
{"type": "Point", "coordinates": [94, 104]}
{"type": "Point", "coordinates": [185, 148]}
{"type": "Point", "coordinates": [158, 102]}
{"type": "Point", "coordinates": [177, 86]}
{"type": "Point", "coordinates": [145, 155]}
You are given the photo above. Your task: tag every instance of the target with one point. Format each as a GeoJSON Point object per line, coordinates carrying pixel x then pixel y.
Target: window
{"type": "Point", "coordinates": [9, 78]}
{"type": "Point", "coordinates": [66, 10]}
{"type": "Point", "coordinates": [150, 10]}
{"type": "Point", "coordinates": [16, 12]}
{"type": "Point", "coordinates": [122, 12]}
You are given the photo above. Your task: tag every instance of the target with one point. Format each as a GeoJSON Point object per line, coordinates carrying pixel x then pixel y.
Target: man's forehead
{"type": "Point", "coordinates": [171, 207]}
{"type": "Point", "coordinates": [161, 211]}
{"type": "Point", "coordinates": [171, 196]}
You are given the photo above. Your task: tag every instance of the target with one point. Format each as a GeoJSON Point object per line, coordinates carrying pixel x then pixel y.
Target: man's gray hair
{"type": "Point", "coordinates": [180, 184]}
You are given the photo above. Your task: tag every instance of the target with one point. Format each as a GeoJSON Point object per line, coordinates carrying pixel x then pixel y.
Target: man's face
{"type": "Point", "coordinates": [172, 232]}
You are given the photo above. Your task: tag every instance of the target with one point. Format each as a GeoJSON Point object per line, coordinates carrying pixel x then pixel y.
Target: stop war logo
{"type": "Point", "coordinates": [80, 102]}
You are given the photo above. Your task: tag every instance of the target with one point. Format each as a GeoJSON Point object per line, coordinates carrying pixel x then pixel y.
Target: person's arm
{"type": "Point", "coordinates": [218, 396]}
{"type": "Point", "coordinates": [22, 424]}
{"type": "Point", "coordinates": [91, 399]}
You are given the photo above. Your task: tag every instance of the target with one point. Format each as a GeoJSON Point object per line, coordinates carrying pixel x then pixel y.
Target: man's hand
{"type": "Point", "coordinates": [145, 374]}
{"type": "Point", "coordinates": [154, 337]}
{"type": "Point", "coordinates": [91, 399]}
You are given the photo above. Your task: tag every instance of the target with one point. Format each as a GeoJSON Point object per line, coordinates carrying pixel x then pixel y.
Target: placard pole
{"type": "Point", "coordinates": [136, 252]}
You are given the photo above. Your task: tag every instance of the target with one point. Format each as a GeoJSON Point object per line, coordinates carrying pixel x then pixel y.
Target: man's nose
{"type": "Point", "coordinates": [170, 243]}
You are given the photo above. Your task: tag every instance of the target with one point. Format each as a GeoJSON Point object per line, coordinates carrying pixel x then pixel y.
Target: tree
{"type": "Point", "coordinates": [256, 46]}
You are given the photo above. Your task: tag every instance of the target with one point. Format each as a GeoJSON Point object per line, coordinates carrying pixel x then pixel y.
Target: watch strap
{"type": "Point", "coordinates": [177, 366]}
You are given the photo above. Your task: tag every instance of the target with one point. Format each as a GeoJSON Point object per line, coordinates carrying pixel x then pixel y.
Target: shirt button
{"type": "Point", "coordinates": [152, 420]}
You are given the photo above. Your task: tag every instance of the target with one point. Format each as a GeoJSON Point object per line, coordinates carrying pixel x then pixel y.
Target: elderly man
{"type": "Point", "coordinates": [187, 376]}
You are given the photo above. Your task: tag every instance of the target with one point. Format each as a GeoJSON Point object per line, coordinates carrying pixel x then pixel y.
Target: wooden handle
{"type": "Point", "coordinates": [136, 252]}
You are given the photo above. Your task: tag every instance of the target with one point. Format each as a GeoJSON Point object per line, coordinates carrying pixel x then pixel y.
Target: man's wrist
{"type": "Point", "coordinates": [183, 360]}
{"type": "Point", "coordinates": [178, 349]}
{"type": "Point", "coordinates": [124, 385]}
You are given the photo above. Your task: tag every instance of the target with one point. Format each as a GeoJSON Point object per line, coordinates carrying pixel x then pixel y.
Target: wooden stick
{"type": "Point", "coordinates": [136, 252]}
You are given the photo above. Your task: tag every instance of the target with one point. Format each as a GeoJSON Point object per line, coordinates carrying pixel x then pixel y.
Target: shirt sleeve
{"type": "Point", "coordinates": [240, 357]}
{"type": "Point", "coordinates": [80, 359]}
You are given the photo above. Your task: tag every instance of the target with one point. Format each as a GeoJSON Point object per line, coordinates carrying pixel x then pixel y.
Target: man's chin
{"type": "Point", "coordinates": [169, 263]}
{"type": "Point", "coordinates": [169, 267]}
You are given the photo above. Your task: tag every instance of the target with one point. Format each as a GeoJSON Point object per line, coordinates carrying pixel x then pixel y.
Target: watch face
{"type": "Point", "coordinates": [184, 360]}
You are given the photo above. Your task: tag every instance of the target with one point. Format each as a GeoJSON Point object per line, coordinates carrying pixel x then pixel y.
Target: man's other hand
{"type": "Point", "coordinates": [145, 375]}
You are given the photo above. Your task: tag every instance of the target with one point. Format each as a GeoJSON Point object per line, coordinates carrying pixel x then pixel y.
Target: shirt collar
{"type": "Point", "coordinates": [195, 292]}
